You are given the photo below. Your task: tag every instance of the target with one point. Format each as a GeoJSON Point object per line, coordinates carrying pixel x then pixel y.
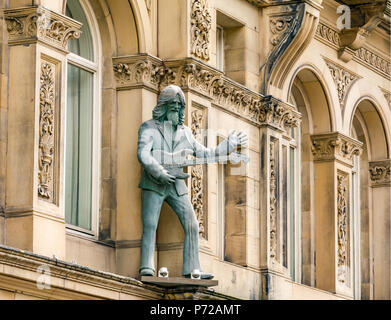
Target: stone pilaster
{"type": "Point", "coordinates": [277, 121]}
{"type": "Point", "coordinates": [380, 178]}
{"type": "Point", "coordinates": [333, 155]}
{"type": "Point", "coordinates": [37, 39]}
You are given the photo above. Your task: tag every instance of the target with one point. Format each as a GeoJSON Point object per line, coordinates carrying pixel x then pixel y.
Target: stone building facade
{"type": "Point", "coordinates": [307, 218]}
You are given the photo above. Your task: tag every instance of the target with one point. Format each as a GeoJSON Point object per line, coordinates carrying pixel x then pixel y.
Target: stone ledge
{"type": "Point", "coordinates": [179, 282]}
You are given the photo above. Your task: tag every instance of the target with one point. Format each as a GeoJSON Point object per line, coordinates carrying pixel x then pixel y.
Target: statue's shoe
{"type": "Point", "coordinates": [204, 276]}
{"type": "Point", "coordinates": [147, 273]}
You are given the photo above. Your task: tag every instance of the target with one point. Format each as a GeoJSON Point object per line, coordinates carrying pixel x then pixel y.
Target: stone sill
{"type": "Point", "coordinates": [19, 274]}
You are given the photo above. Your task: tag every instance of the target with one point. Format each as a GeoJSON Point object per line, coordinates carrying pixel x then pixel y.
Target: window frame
{"type": "Point", "coordinates": [93, 67]}
{"type": "Point", "coordinates": [220, 48]}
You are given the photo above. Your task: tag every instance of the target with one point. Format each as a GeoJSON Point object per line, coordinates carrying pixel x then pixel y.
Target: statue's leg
{"type": "Point", "coordinates": [152, 203]}
{"type": "Point", "coordinates": [185, 212]}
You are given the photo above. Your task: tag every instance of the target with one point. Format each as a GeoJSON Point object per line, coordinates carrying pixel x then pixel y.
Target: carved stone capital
{"type": "Point", "coordinates": [276, 113]}
{"type": "Point", "coordinates": [335, 147]}
{"type": "Point", "coordinates": [31, 24]}
{"type": "Point", "coordinates": [380, 173]}
{"type": "Point", "coordinates": [140, 70]}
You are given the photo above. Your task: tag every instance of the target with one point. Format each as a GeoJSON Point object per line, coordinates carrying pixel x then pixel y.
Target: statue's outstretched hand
{"type": "Point", "coordinates": [238, 139]}
{"type": "Point", "coordinates": [166, 178]}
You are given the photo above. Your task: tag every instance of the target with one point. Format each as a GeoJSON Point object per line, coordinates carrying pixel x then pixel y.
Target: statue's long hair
{"type": "Point", "coordinates": [167, 95]}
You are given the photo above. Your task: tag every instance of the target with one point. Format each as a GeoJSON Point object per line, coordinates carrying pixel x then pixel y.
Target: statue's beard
{"type": "Point", "coordinates": [173, 117]}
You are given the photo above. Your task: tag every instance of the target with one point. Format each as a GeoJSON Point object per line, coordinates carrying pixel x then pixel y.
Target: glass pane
{"type": "Point", "coordinates": [78, 175]}
{"type": "Point", "coordinates": [83, 46]}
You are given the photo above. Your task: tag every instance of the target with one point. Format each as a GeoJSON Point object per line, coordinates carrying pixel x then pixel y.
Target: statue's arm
{"type": "Point", "coordinates": [145, 143]}
{"type": "Point", "coordinates": [200, 151]}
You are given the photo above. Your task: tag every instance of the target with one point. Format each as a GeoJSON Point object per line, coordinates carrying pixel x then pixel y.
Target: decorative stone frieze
{"type": "Point", "coordinates": [201, 24]}
{"type": "Point", "coordinates": [380, 173]}
{"type": "Point", "coordinates": [204, 80]}
{"type": "Point", "coordinates": [364, 56]}
{"type": "Point", "coordinates": [31, 24]}
{"type": "Point", "coordinates": [343, 243]}
{"type": "Point", "coordinates": [197, 175]}
{"type": "Point", "coordinates": [343, 80]}
{"type": "Point", "coordinates": [328, 35]}
{"type": "Point", "coordinates": [47, 132]}
{"type": "Point", "coordinates": [335, 146]}
{"type": "Point", "coordinates": [373, 61]}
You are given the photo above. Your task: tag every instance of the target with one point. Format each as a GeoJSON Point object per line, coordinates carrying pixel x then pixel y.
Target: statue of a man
{"type": "Point", "coordinates": [166, 132]}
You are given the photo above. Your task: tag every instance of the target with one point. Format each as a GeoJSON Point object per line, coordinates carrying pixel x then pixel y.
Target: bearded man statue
{"type": "Point", "coordinates": [166, 132]}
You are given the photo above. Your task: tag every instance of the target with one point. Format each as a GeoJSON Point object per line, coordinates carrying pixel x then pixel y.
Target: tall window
{"type": "Point", "coordinates": [220, 48]}
{"type": "Point", "coordinates": [81, 125]}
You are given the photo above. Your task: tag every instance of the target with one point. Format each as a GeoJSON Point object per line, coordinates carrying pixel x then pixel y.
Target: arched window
{"type": "Point", "coordinates": [82, 123]}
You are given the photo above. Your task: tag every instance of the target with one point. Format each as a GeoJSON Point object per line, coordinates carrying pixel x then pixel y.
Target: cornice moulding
{"type": "Point", "coordinates": [201, 79]}
{"type": "Point", "coordinates": [37, 24]}
{"type": "Point", "coordinates": [365, 56]}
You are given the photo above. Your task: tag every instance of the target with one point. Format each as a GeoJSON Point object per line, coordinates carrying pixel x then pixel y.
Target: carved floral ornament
{"type": "Point", "coordinates": [380, 173]}
{"type": "Point", "coordinates": [46, 132]}
{"type": "Point", "coordinates": [335, 146]}
{"type": "Point", "coordinates": [343, 80]}
{"type": "Point", "coordinates": [194, 75]}
{"type": "Point", "coordinates": [197, 176]}
{"type": "Point", "coordinates": [26, 25]}
{"type": "Point", "coordinates": [201, 24]}
{"type": "Point", "coordinates": [343, 227]}
{"type": "Point", "coordinates": [279, 26]}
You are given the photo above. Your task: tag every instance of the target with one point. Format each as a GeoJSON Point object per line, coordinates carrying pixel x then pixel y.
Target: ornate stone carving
{"type": "Point", "coordinates": [27, 25]}
{"type": "Point", "coordinates": [364, 56]}
{"type": "Point", "coordinates": [197, 176]}
{"type": "Point", "coordinates": [47, 132]}
{"type": "Point", "coordinates": [280, 25]}
{"type": "Point", "coordinates": [380, 173]}
{"type": "Point", "coordinates": [335, 146]}
{"type": "Point", "coordinates": [387, 95]}
{"type": "Point", "coordinates": [328, 35]}
{"type": "Point", "coordinates": [190, 74]}
{"type": "Point", "coordinates": [134, 71]}
{"type": "Point", "coordinates": [273, 201]}
{"type": "Point", "coordinates": [343, 244]}
{"type": "Point", "coordinates": [343, 79]}
{"type": "Point", "coordinates": [201, 24]}
{"type": "Point", "coordinates": [374, 61]}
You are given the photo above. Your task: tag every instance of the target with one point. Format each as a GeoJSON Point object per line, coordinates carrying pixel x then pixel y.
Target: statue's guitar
{"type": "Point", "coordinates": [175, 162]}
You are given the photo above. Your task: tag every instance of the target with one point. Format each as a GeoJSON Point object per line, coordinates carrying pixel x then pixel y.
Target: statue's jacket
{"type": "Point", "coordinates": [156, 135]}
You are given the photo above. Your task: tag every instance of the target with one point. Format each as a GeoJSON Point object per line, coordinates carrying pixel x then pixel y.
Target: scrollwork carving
{"type": "Point", "coordinates": [343, 227]}
{"type": "Point", "coordinates": [201, 24]}
{"type": "Point", "coordinates": [197, 176]}
{"type": "Point", "coordinates": [46, 132]}
{"type": "Point", "coordinates": [273, 201]}
{"type": "Point", "coordinates": [206, 81]}
{"type": "Point", "coordinates": [27, 25]}
{"type": "Point", "coordinates": [380, 173]}
{"type": "Point", "coordinates": [343, 79]}
{"type": "Point", "coordinates": [280, 25]}
{"type": "Point", "coordinates": [335, 146]}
